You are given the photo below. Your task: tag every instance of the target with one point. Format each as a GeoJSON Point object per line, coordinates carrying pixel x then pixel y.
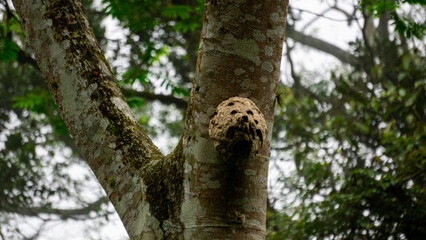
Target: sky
{"type": "Point", "coordinates": [334, 31]}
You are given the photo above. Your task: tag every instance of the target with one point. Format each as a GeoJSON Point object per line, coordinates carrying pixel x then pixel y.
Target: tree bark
{"type": "Point", "coordinates": [239, 55]}
{"type": "Point", "coordinates": [192, 193]}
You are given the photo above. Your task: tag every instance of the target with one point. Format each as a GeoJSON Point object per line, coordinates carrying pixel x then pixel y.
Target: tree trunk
{"type": "Point", "coordinates": [194, 192]}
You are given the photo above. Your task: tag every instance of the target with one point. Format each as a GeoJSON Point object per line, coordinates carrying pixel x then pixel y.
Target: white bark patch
{"type": "Point", "coordinates": [66, 44]}
{"type": "Point", "coordinates": [145, 225]}
{"type": "Point", "coordinates": [191, 208]}
{"type": "Point", "coordinates": [71, 103]}
{"type": "Point", "coordinates": [104, 68]}
{"type": "Point", "coordinates": [233, 12]}
{"type": "Point", "coordinates": [58, 55]}
{"type": "Point", "coordinates": [248, 84]}
{"type": "Point", "coordinates": [207, 183]}
{"type": "Point", "coordinates": [269, 124]}
{"type": "Point", "coordinates": [275, 17]}
{"type": "Point", "coordinates": [200, 148]}
{"type": "Point", "coordinates": [187, 167]}
{"type": "Point", "coordinates": [245, 48]}
{"type": "Point", "coordinates": [92, 87]}
{"type": "Point", "coordinates": [210, 111]}
{"type": "Point", "coordinates": [49, 22]}
{"type": "Point", "coordinates": [268, 51]}
{"type": "Point", "coordinates": [249, 17]}
{"type": "Point", "coordinates": [257, 6]}
{"type": "Point", "coordinates": [121, 105]}
{"type": "Point", "coordinates": [267, 66]}
{"type": "Point", "coordinates": [239, 71]}
{"type": "Point", "coordinates": [214, 184]}
{"type": "Point", "coordinates": [258, 35]}
{"type": "Point", "coordinates": [45, 24]}
{"type": "Point", "coordinates": [202, 118]}
{"type": "Point", "coordinates": [118, 155]}
{"type": "Point", "coordinates": [250, 172]}
{"type": "Point", "coordinates": [277, 32]}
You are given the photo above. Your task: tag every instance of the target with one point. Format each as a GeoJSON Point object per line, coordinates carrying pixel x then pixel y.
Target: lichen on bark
{"type": "Point", "coordinates": [89, 100]}
{"type": "Point", "coordinates": [223, 193]}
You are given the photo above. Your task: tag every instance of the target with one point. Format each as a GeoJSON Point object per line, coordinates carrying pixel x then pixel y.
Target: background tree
{"type": "Point", "coordinates": [357, 137]}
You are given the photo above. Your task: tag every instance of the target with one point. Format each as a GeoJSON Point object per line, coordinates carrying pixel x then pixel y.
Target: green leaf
{"type": "Point", "coordinates": [135, 102]}
{"type": "Point", "coordinates": [133, 75]}
{"type": "Point", "coordinates": [420, 83]}
{"type": "Point", "coordinates": [407, 27]}
{"type": "Point", "coordinates": [363, 126]}
{"type": "Point", "coordinates": [183, 12]}
{"type": "Point", "coordinates": [8, 51]}
{"type": "Point", "coordinates": [36, 102]}
{"type": "Point", "coordinates": [410, 100]}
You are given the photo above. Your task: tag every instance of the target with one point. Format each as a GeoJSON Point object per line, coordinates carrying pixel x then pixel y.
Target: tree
{"type": "Point", "coordinates": [194, 192]}
{"type": "Point", "coordinates": [356, 138]}
{"type": "Point", "coordinates": [35, 156]}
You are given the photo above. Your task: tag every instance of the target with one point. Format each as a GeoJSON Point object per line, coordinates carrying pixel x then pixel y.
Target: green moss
{"type": "Point", "coordinates": [164, 183]}
{"type": "Point", "coordinates": [111, 181]}
{"type": "Point", "coordinates": [164, 178]}
{"type": "Point", "coordinates": [112, 129]}
{"type": "Point", "coordinates": [85, 52]}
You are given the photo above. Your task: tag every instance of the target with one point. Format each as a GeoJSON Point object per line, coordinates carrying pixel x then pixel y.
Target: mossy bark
{"type": "Point", "coordinates": [239, 55]}
{"type": "Point", "coordinates": [192, 193]}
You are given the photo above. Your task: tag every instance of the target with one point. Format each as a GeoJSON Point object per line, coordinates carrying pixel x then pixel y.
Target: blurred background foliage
{"type": "Point", "coordinates": [348, 155]}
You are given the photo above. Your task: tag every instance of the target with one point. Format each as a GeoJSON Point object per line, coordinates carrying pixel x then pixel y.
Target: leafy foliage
{"type": "Point", "coordinates": [403, 25]}
{"type": "Point", "coordinates": [358, 144]}
{"type": "Point", "coordinates": [8, 51]}
{"type": "Point", "coordinates": [161, 28]}
{"type": "Point", "coordinates": [409, 28]}
{"type": "Point", "coordinates": [35, 156]}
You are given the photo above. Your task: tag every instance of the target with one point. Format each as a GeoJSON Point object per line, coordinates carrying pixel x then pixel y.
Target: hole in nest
{"type": "Point", "coordinates": [231, 104]}
{"type": "Point", "coordinates": [252, 133]}
{"type": "Point", "coordinates": [242, 147]}
{"type": "Point", "coordinates": [249, 112]}
{"type": "Point", "coordinates": [259, 134]}
{"type": "Point", "coordinates": [245, 119]}
{"type": "Point", "coordinates": [256, 121]}
{"type": "Point", "coordinates": [231, 132]}
{"type": "Point", "coordinates": [233, 112]}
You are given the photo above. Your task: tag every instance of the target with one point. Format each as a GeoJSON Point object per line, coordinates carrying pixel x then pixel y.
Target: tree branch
{"type": "Point", "coordinates": [298, 87]}
{"type": "Point", "coordinates": [322, 15]}
{"type": "Point", "coordinates": [321, 45]}
{"type": "Point", "coordinates": [317, 16]}
{"type": "Point", "coordinates": [63, 213]}
{"type": "Point", "coordinates": [165, 99]}
{"type": "Point", "coordinates": [89, 100]}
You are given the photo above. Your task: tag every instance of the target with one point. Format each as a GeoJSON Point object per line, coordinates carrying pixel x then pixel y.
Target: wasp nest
{"type": "Point", "coordinates": [237, 126]}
